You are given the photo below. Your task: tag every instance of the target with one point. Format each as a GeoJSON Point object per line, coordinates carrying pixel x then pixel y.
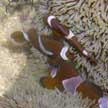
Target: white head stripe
{"type": "Point", "coordinates": [70, 35]}
{"type": "Point", "coordinates": [49, 19]}
{"type": "Point", "coordinates": [25, 36]}
{"type": "Point", "coordinates": [63, 52]}
{"type": "Point", "coordinates": [85, 52]}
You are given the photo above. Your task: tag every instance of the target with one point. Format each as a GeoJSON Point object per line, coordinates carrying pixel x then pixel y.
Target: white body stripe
{"type": "Point", "coordinates": [25, 35]}
{"type": "Point", "coordinates": [63, 52]}
{"type": "Point", "coordinates": [54, 72]}
{"type": "Point", "coordinates": [43, 49]}
{"type": "Point", "coordinates": [85, 52]}
{"type": "Point", "coordinates": [49, 20]}
{"type": "Point", "coordinates": [70, 35]}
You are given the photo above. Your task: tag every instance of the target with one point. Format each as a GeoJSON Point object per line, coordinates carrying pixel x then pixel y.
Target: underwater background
{"type": "Point", "coordinates": [21, 68]}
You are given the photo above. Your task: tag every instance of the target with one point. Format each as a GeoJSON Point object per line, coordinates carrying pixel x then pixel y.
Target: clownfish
{"type": "Point", "coordinates": [63, 32]}
{"type": "Point", "coordinates": [65, 77]}
{"type": "Point", "coordinates": [44, 44]}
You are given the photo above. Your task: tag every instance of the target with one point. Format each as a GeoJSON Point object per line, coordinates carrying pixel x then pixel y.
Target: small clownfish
{"type": "Point", "coordinates": [18, 38]}
{"type": "Point", "coordinates": [61, 31]}
{"type": "Point", "coordinates": [67, 78]}
{"type": "Point", "coordinates": [44, 44]}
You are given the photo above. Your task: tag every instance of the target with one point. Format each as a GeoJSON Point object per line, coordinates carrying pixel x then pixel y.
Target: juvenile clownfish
{"type": "Point", "coordinates": [45, 44]}
{"type": "Point", "coordinates": [66, 78]}
{"type": "Point", "coordinates": [63, 32]}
